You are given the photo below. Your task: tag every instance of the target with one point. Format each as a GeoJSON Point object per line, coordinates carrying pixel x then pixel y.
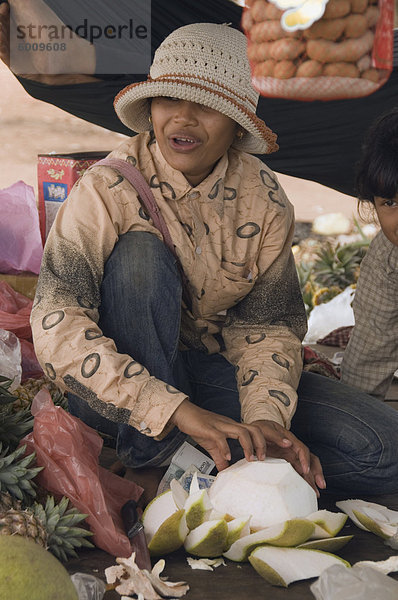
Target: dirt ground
{"type": "Point", "coordinates": [29, 127]}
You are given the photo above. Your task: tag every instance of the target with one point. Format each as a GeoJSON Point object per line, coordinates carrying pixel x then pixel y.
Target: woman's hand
{"type": "Point", "coordinates": [211, 431]}
{"type": "Point", "coordinates": [281, 443]}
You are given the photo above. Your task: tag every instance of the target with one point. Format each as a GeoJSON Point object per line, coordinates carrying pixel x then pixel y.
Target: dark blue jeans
{"type": "Point", "coordinates": [354, 435]}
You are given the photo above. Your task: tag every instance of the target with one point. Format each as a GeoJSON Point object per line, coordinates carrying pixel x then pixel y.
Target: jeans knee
{"type": "Point", "coordinates": [140, 265]}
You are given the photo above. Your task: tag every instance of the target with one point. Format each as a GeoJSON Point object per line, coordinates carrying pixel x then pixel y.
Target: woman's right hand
{"type": "Point", "coordinates": [211, 431]}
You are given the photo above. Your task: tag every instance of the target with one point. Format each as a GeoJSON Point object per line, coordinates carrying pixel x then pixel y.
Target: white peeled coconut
{"type": "Point", "coordinates": [289, 533]}
{"type": "Point", "coordinates": [282, 566]}
{"type": "Point", "coordinates": [327, 523]}
{"type": "Point", "coordinates": [330, 544]}
{"type": "Point", "coordinates": [164, 525]}
{"type": "Point", "coordinates": [271, 491]}
{"type": "Point", "coordinates": [371, 517]}
{"type": "Point", "coordinates": [208, 540]}
{"type": "Point", "coordinates": [331, 224]}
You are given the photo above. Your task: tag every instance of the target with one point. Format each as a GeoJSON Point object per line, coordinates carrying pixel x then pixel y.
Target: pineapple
{"type": "Point", "coordinates": [25, 393]}
{"type": "Point", "coordinates": [324, 294]}
{"type": "Point", "coordinates": [61, 523]}
{"type": "Point", "coordinates": [6, 397]}
{"type": "Point", "coordinates": [24, 523]}
{"type": "Point", "coordinates": [16, 473]}
{"type": "Point", "coordinates": [338, 267]}
{"type": "Point", "coordinates": [53, 526]}
{"type": "Point", "coordinates": [14, 426]}
{"type": "Point", "coordinates": [8, 502]}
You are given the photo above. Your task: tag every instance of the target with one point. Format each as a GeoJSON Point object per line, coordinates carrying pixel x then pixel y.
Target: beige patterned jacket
{"type": "Point", "coordinates": [233, 235]}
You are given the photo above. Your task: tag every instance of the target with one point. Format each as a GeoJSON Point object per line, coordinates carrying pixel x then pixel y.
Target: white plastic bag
{"type": "Point", "coordinates": [10, 358]}
{"type": "Point", "coordinates": [326, 317]}
{"type": "Point", "coordinates": [358, 583]}
{"type": "Point", "coordinates": [88, 587]}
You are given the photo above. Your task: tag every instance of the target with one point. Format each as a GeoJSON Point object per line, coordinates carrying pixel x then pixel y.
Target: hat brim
{"type": "Point", "coordinates": [133, 109]}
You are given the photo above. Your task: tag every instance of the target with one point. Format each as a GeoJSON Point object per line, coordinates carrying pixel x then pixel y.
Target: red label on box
{"type": "Point", "coordinates": [382, 54]}
{"type": "Point", "coordinates": [56, 175]}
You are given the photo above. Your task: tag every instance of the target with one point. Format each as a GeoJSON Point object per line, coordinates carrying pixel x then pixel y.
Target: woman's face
{"type": "Point", "coordinates": [191, 137]}
{"type": "Point", "coordinates": [387, 212]}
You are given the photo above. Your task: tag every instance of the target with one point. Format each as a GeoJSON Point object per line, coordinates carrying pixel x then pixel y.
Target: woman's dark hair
{"type": "Point", "coordinates": [377, 171]}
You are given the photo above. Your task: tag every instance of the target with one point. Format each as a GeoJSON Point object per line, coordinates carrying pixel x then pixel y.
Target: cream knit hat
{"type": "Point", "coordinates": [204, 63]}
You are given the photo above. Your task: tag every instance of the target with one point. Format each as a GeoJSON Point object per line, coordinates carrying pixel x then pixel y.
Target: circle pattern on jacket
{"type": "Point", "coordinates": [117, 182]}
{"type": "Point", "coordinates": [165, 187]}
{"type": "Point", "coordinates": [129, 372]}
{"type": "Point", "coordinates": [90, 365]}
{"type": "Point", "coordinates": [84, 304]}
{"type": "Point", "coordinates": [268, 180]}
{"type": "Point", "coordinates": [251, 374]}
{"type": "Point", "coordinates": [281, 361]}
{"type": "Point", "coordinates": [281, 396]}
{"type": "Point", "coordinates": [171, 389]}
{"type": "Point", "coordinates": [50, 371]}
{"type": "Point", "coordinates": [248, 230]}
{"type": "Point", "coordinates": [52, 319]}
{"type": "Point", "coordinates": [274, 198]}
{"type": "Point", "coordinates": [92, 334]}
{"type": "Point", "coordinates": [255, 339]}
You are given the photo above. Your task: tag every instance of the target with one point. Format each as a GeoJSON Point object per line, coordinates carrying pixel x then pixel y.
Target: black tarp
{"type": "Point", "coordinates": [319, 141]}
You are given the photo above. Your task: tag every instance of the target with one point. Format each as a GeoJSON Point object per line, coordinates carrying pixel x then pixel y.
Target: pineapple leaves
{"type": "Point", "coordinates": [330, 269]}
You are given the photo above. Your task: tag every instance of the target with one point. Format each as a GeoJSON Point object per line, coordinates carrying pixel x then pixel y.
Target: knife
{"type": "Point", "coordinates": [135, 532]}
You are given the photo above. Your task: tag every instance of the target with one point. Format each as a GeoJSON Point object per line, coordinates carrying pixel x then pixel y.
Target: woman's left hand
{"type": "Point", "coordinates": [281, 443]}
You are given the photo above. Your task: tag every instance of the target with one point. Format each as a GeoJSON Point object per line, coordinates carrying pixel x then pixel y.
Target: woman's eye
{"type": "Point", "coordinates": [390, 202]}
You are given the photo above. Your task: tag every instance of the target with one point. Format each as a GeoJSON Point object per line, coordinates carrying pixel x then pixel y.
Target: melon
{"type": "Point", "coordinates": [29, 572]}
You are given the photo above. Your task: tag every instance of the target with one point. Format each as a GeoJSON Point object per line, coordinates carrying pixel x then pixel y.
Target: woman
{"type": "Point", "coordinates": [151, 358]}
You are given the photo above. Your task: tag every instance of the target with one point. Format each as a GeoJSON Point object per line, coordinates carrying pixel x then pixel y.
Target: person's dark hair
{"type": "Point", "coordinates": [377, 172]}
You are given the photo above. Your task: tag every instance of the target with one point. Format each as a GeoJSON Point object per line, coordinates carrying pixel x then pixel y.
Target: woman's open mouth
{"type": "Point", "coordinates": [182, 143]}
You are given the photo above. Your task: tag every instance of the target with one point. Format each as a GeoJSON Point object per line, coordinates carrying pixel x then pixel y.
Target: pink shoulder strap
{"type": "Point", "coordinates": [138, 181]}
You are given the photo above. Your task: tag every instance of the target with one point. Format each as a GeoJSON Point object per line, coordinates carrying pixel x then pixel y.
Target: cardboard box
{"type": "Point", "coordinates": [56, 174]}
{"type": "Point", "coordinates": [25, 283]}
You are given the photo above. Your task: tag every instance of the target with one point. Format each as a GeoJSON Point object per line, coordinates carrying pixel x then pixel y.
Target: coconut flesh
{"type": "Point", "coordinates": [282, 566]}
{"type": "Point", "coordinates": [271, 491]}
{"type": "Point", "coordinates": [253, 511]}
{"type": "Point", "coordinates": [371, 517]}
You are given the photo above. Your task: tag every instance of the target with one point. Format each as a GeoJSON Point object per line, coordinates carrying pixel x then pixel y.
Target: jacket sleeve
{"type": "Point", "coordinates": [68, 342]}
{"type": "Point", "coordinates": [371, 356]}
{"type": "Point", "coordinates": [263, 333]}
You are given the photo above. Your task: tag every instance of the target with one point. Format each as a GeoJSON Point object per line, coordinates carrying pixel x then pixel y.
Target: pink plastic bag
{"type": "Point", "coordinates": [15, 311]}
{"type": "Point", "coordinates": [30, 365]}
{"type": "Point", "coordinates": [21, 247]}
{"type": "Point", "coordinates": [69, 451]}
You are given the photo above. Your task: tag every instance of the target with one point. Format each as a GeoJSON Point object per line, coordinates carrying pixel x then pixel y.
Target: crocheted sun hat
{"type": "Point", "coordinates": [204, 63]}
